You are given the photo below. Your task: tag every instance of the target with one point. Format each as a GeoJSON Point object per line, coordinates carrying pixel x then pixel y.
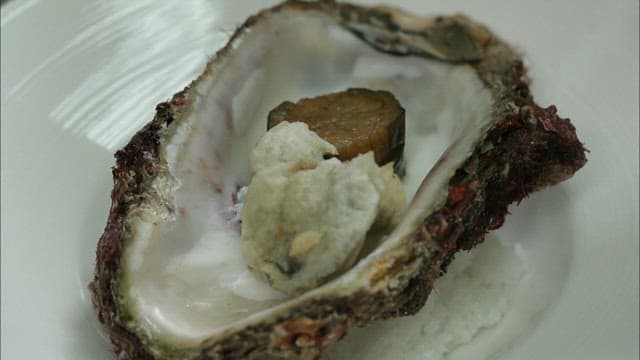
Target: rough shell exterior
{"type": "Point", "coordinates": [536, 146]}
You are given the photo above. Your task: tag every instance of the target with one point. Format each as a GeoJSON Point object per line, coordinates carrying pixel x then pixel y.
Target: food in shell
{"type": "Point", "coordinates": [306, 220]}
{"type": "Point", "coordinates": [170, 281]}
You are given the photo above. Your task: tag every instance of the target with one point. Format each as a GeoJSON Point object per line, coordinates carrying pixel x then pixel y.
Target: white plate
{"type": "Point", "coordinates": [80, 77]}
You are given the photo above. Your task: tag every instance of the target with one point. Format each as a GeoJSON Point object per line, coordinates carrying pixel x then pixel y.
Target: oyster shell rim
{"type": "Point", "coordinates": [468, 211]}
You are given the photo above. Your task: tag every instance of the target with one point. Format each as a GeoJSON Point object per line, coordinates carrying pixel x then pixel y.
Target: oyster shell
{"type": "Point", "coordinates": [169, 279]}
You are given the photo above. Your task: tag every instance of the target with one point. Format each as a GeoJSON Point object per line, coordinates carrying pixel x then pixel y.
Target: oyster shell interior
{"type": "Point", "coordinates": [184, 278]}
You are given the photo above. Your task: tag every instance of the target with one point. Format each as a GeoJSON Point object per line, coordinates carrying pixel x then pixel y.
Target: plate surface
{"type": "Point", "coordinates": [80, 77]}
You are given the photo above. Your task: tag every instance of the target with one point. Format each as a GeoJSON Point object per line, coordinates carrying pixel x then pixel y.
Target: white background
{"type": "Point", "coordinates": [80, 77]}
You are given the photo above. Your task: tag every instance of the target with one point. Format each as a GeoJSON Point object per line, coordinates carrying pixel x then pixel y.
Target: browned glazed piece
{"type": "Point", "coordinates": [355, 121]}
